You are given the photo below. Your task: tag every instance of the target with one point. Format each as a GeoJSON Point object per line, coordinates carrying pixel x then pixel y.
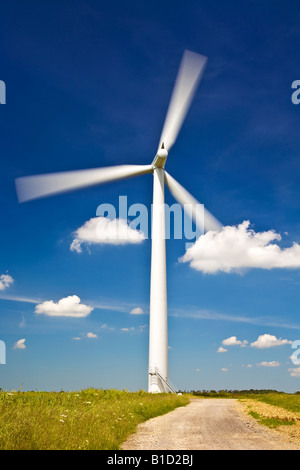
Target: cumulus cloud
{"type": "Point", "coordinates": [66, 307]}
{"type": "Point", "coordinates": [294, 372]}
{"type": "Point", "coordinates": [91, 335]}
{"type": "Point", "coordinates": [233, 341]}
{"type": "Point", "coordinates": [20, 344]}
{"type": "Point", "coordinates": [269, 341]}
{"type": "Point", "coordinates": [137, 311]}
{"type": "Point", "coordinates": [101, 230]}
{"type": "Point", "coordinates": [269, 364]}
{"type": "Point", "coordinates": [5, 281]}
{"type": "Point", "coordinates": [222, 350]}
{"type": "Point", "coordinates": [235, 248]}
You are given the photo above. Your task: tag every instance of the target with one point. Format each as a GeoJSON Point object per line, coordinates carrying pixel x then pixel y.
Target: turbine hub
{"type": "Point", "coordinates": [160, 158]}
{"type": "Point", "coordinates": [162, 153]}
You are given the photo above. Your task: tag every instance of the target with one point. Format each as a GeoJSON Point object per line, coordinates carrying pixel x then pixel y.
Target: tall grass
{"type": "Point", "coordinates": [88, 419]}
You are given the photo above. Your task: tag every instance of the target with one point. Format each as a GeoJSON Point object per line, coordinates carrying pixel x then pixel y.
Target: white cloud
{"type": "Point", "coordinates": [91, 335]}
{"type": "Point", "coordinates": [142, 328]}
{"type": "Point", "coordinates": [269, 364]}
{"type": "Point", "coordinates": [137, 311]}
{"type": "Point", "coordinates": [20, 344]}
{"type": "Point", "coordinates": [218, 316]}
{"type": "Point", "coordinates": [233, 341]}
{"type": "Point", "coordinates": [235, 248]}
{"type": "Point", "coordinates": [66, 307]}
{"type": "Point", "coordinates": [222, 350]}
{"type": "Point", "coordinates": [269, 341]}
{"type": "Point", "coordinates": [77, 338]}
{"type": "Point", "coordinates": [106, 327]}
{"type": "Point", "coordinates": [294, 372]}
{"type": "Point", "coordinates": [224, 369]}
{"type": "Point", "coordinates": [127, 329]}
{"type": "Point", "coordinates": [5, 281]}
{"type": "Point", "coordinates": [101, 230]}
{"type": "Point", "coordinates": [15, 298]}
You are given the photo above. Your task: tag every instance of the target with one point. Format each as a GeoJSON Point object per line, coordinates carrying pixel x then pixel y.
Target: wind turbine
{"type": "Point", "coordinates": [33, 187]}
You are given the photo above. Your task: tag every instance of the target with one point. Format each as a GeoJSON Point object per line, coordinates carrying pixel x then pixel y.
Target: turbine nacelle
{"type": "Point", "coordinates": [160, 158]}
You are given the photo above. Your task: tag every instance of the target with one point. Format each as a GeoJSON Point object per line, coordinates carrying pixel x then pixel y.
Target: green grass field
{"type": "Point", "coordinates": [89, 419]}
{"type": "Point", "coordinates": [99, 419]}
{"type": "Point", "coordinates": [287, 401]}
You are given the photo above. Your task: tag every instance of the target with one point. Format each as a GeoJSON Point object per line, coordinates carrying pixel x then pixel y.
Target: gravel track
{"type": "Point", "coordinates": [206, 424]}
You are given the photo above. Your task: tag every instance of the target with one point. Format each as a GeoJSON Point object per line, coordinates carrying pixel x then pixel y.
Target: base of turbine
{"type": "Point", "coordinates": [157, 384]}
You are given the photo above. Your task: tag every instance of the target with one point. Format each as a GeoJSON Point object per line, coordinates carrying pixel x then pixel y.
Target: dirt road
{"type": "Point", "coordinates": [206, 424]}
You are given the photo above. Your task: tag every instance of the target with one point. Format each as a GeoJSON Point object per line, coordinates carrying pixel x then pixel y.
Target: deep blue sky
{"type": "Point", "coordinates": [88, 85]}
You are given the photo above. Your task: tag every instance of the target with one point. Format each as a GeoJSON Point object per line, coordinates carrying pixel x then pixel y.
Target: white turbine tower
{"type": "Point", "coordinates": [32, 187]}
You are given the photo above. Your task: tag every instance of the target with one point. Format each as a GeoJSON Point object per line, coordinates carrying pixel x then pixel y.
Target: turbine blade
{"type": "Point", "coordinates": [192, 206]}
{"type": "Point", "coordinates": [37, 186]}
{"type": "Point", "coordinates": [190, 72]}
